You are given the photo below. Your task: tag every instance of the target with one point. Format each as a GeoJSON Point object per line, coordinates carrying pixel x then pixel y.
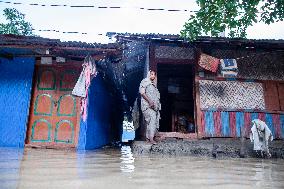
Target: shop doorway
{"type": "Point", "coordinates": [176, 84]}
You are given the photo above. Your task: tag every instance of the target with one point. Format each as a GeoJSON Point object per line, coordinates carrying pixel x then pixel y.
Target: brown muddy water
{"type": "Point", "coordinates": [118, 168]}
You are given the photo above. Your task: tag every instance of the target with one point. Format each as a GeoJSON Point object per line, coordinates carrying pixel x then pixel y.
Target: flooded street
{"type": "Point", "coordinates": [118, 168]}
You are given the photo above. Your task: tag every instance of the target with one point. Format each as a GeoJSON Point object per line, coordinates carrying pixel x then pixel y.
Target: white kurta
{"type": "Point", "coordinates": [151, 115]}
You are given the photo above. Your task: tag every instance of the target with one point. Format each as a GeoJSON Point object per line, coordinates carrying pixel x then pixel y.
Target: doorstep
{"type": "Point", "coordinates": [186, 136]}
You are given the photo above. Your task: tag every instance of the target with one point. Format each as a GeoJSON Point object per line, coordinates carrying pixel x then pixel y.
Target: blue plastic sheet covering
{"type": "Point", "coordinates": [128, 135]}
{"type": "Point", "coordinates": [15, 92]}
{"type": "Point", "coordinates": [128, 132]}
{"type": "Point", "coordinates": [96, 131]}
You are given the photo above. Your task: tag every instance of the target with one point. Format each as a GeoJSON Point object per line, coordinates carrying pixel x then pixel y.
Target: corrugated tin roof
{"type": "Point", "coordinates": [6, 40]}
{"type": "Point", "coordinates": [202, 39]}
{"type": "Point", "coordinates": [16, 45]}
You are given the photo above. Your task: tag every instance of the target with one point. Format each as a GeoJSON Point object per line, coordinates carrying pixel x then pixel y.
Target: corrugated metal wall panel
{"type": "Point", "coordinates": [261, 116]}
{"type": "Point", "coordinates": [269, 122]}
{"type": "Point", "coordinates": [233, 124]}
{"type": "Point", "coordinates": [217, 123]}
{"type": "Point", "coordinates": [254, 116]}
{"type": "Point", "coordinates": [15, 91]}
{"type": "Point", "coordinates": [225, 124]}
{"type": "Point", "coordinates": [230, 124]}
{"type": "Point", "coordinates": [247, 121]}
{"type": "Point", "coordinates": [240, 123]}
{"type": "Point", "coordinates": [282, 125]}
{"type": "Point", "coordinates": [209, 121]}
{"type": "Point", "coordinates": [277, 125]}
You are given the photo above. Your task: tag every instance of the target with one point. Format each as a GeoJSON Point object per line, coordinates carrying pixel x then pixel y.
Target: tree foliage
{"type": "Point", "coordinates": [16, 23]}
{"type": "Point", "coordinates": [235, 16]}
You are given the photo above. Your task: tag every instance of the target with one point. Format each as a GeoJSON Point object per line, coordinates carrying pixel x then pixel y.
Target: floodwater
{"type": "Point", "coordinates": [118, 168]}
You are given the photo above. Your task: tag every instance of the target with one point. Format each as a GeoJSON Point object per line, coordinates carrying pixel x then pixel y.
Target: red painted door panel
{"type": "Point", "coordinates": [271, 96]}
{"type": "Point", "coordinates": [55, 113]}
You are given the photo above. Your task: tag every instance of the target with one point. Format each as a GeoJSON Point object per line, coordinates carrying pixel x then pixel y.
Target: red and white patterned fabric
{"type": "Point", "coordinates": [209, 62]}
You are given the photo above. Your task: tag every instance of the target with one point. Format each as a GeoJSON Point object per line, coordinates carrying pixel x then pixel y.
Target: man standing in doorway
{"type": "Point", "coordinates": [150, 105]}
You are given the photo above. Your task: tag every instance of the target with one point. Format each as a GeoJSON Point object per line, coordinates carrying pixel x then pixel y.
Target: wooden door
{"type": "Point", "coordinates": [55, 112]}
{"type": "Point", "coordinates": [271, 96]}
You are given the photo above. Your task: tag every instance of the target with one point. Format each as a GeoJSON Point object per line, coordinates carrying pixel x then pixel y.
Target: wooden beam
{"type": "Point", "coordinates": [174, 61]}
{"type": "Point", "coordinates": [152, 58]}
{"type": "Point", "coordinates": [59, 47]}
{"type": "Point", "coordinates": [198, 125]}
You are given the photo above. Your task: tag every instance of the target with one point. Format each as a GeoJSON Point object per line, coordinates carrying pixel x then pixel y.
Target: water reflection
{"type": "Point", "coordinates": [10, 161]}
{"type": "Point", "coordinates": [119, 168]}
{"type": "Point", "coordinates": [127, 160]}
{"type": "Point", "coordinates": [263, 173]}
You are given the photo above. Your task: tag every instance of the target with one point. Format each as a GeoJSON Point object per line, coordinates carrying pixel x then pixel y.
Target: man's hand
{"type": "Point", "coordinates": [152, 105]}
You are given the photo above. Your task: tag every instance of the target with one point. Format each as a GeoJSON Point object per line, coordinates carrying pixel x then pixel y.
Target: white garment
{"type": "Point", "coordinates": [152, 122]}
{"type": "Point", "coordinates": [83, 83]}
{"type": "Point", "coordinates": [80, 87]}
{"type": "Point", "coordinates": [152, 116]}
{"type": "Point", "coordinates": [260, 135]}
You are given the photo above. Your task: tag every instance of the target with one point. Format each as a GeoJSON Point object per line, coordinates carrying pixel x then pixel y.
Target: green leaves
{"type": "Point", "coordinates": [235, 16]}
{"type": "Point", "coordinates": [16, 23]}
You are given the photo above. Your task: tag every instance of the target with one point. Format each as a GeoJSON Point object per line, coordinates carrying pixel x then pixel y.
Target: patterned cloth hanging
{"type": "Point", "coordinates": [82, 85]}
{"type": "Point", "coordinates": [229, 67]}
{"type": "Point", "coordinates": [208, 62]}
